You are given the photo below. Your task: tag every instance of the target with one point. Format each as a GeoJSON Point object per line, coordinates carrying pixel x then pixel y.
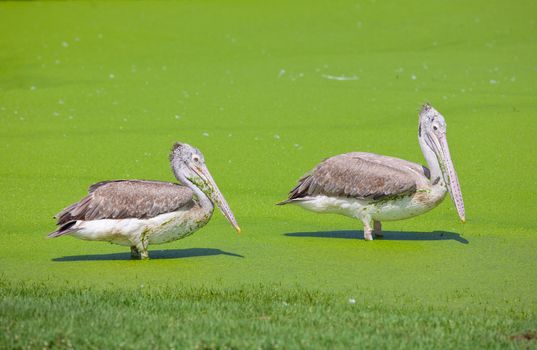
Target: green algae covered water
{"type": "Point", "coordinates": [91, 91]}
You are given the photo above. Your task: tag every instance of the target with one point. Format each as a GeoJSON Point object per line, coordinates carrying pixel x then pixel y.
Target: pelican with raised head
{"type": "Point", "coordinates": [137, 213]}
{"type": "Point", "coordinates": [375, 188]}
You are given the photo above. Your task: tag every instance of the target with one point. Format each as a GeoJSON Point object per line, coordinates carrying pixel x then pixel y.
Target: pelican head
{"type": "Point", "coordinates": [432, 131]}
{"type": "Point", "coordinates": [188, 165]}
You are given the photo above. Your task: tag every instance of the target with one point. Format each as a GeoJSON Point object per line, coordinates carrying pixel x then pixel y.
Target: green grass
{"type": "Point", "coordinates": [243, 318]}
{"type": "Point", "coordinates": [100, 90]}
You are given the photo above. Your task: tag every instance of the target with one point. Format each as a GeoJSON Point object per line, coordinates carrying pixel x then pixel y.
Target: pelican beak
{"type": "Point", "coordinates": [216, 196]}
{"type": "Point", "coordinates": [449, 174]}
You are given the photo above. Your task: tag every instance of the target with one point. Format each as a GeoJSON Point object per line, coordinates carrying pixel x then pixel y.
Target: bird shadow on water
{"type": "Point", "coordinates": [387, 235]}
{"type": "Point", "coordinates": [153, 254]}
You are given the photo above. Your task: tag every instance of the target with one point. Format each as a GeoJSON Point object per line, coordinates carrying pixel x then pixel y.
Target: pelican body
{"type": "Point", "coordinates": [138, 213]}
{"type": "Point", "coordinates": [375, 188]}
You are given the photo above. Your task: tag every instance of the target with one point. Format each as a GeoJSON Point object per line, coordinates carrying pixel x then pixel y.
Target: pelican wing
{"type": "Point", "coordinates": [361, 176]}
{"type": "Point", "coordinates": [399, 163]}
{"type": "Point", "coordinates": [123, 199]}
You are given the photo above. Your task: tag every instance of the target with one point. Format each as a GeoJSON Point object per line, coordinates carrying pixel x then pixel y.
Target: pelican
{"type": "Point", "coordinates": [137, 213]}
{"type": "Point", "coordinates": [375, 188]}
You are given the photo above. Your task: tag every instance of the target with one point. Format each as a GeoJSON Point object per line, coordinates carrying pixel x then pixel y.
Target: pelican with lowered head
{"type": "Point", "coordinates": [375, 188]}
{"type": "Point", "coordinates": [137, 213]}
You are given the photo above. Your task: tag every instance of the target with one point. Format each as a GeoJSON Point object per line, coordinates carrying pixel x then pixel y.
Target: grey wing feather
{"type": "Point", "coordinates": [394, 162]}
{"type": "Point", "coordinates": [358, 175]}
{"type": "Point", "coordinates": [121, 199]}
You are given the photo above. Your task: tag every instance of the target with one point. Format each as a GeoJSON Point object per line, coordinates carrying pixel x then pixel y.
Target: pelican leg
{"type": "Point", "coordinates": [135, 254]}
{"type": "Point", "coordinates": [368, 229]}
{"type": "Point", "coordinates": [142, 249]}
{"type": "Point", "coordinates": [144, 255]}
{"type": "Point", "coordinates": [377, 228]}
{"type": "Point", "coordinates": [141, 245]}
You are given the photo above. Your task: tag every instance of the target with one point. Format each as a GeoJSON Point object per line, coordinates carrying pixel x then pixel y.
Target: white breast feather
{"type": "Point", "coordinates": [160, 229]}
{"type": "Point", "coordinates": [383, 210]}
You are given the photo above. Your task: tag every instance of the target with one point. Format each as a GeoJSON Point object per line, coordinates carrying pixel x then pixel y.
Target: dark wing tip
{"type": "Point", "coordinates": [292, 200]}
{"type": "Point", "coordinates": [54, 234]}
{"type": "Point", "coordinates": [64, 229]}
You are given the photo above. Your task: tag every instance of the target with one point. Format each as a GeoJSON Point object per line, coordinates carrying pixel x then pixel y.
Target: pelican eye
{"type": "Point", "coordinates": [196, 158]}
{"type": "Point", "coordinates": [434, 127]}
